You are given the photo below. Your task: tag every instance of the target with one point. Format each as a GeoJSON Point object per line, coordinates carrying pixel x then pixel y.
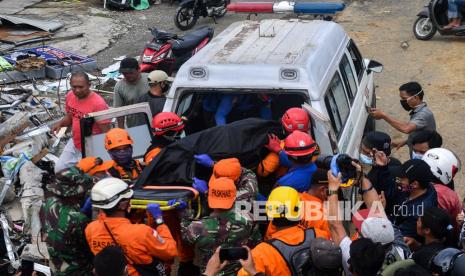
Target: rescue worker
{"type": "Point", "coordinates": [167, 127]}
{"type": "Point", "coordinates": [273, 256]}
{"type": "Point", "coordinates": [118, 143]}
{"type": "Point", "coordinates": [63, 223]}
{"type": "Point", "coordinates": [313, 206]}
{"type": "Point", "coordinates": [293, 119]}
{"type": "Point", "coordinates": [145, 247]}
{"type": "Point", "coordinates": [302, 152]}
{"type": "Point", "coordinates": [222, 227]}
{"type": "Point", "coordinates": [244, 179]}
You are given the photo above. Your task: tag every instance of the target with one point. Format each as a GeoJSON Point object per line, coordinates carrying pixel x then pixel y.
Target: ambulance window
{"type": "Point", "coordinates": [356, 59]}
{"type": "Point", "coordinates": [337, 104]}
{"type": "Point", "coordinates": [349, 78]}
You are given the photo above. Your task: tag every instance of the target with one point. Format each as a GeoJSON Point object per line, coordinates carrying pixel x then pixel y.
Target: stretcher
{"type": "Point", "coordinates": [162, 194]}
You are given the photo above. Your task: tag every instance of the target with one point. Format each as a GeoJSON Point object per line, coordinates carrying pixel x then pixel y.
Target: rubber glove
{"type": "Point", "coordinates": [333, 166]}
{"type": "Point", "coordinates": [154, 209]}
{"type": "Point", "coordinates": [200, 185]}
{"type": "Point", "coordinates": [204, 160]}
{"type": "Point", "coordinates": [274, 144]}
{"type": "Point", "coordinates": [182, 204]}
{"type": "Point", "coordinates": [86, 209]}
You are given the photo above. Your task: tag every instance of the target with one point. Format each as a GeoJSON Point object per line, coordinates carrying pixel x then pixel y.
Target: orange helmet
{"type": "Point", "coordinates": [166, 121]}
{"type": "Point", "coordinates": [117, 137]}
{"type": "Point", "coordinates": [299, 144]}
{"type": "Point", "coordinates": [295, 119]}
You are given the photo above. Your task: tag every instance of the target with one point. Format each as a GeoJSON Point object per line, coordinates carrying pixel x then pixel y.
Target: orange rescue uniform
{"type": "Point", "coordinates": [140, 242]}
{"type": "Point", "coordinates": [268, 260]}
{"type": "Point", "coordinates": [313, 217]}
{"type": "Point", "coordinates": [270, 164]}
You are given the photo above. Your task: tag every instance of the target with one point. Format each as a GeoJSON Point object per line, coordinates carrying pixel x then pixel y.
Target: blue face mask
{"type": "Point", "coordinates": [122, 157]}
{"type": "Point", "coordinates": [366, 160]}
{"type": "Point", "coordinates": [416, 155]}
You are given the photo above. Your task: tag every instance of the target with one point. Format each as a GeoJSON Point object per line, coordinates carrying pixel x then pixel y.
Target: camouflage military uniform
{"type": "Point", "coordinates": [247, 186]}
{"type": "Point", "coordinates": [63, 224]}
{"type": "Point", "coordinates": [226, 229]}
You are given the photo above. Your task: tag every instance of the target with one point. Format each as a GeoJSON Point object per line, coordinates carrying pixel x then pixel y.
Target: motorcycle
{"type": "Point", "coordinates": [432, 18]}
{"type": "Point", "coordinates": [167, 51]}
{"type": "Point", "coordinates": [189, 12]}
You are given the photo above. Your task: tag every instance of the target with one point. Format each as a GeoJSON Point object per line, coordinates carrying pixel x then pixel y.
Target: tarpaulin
{"type": "Point", "coordinates": [244, 139]}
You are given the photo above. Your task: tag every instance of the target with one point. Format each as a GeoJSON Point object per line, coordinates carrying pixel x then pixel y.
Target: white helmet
{"type": "Point", "coordinates": [444, 164]}
{"type": "Point", "coordinates": [108, 192]}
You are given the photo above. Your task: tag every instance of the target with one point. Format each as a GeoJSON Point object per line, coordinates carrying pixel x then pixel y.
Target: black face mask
{"type": "Point", "coordinates": [405, 105]}
{"type": "Point", "coordinates": [164, 88]}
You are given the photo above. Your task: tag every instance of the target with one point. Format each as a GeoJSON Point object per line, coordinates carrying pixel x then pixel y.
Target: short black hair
{"type": "Point", "coordinates": [412, 88]}
{"type": "Point", "coordinates": [110, 261]}
{"type": "Point", "coordinates": [284, 222]}
{"type": "Point", "coordinates": [438, 221]}
{"type": "Point", "coordinates": [80, 74]}
{"type": "Point", "coordinates": [366, 257]}
{"type": "Point", "coordinates": [431, 136]}
{"type": "Point", "coordinates": [411, 270]}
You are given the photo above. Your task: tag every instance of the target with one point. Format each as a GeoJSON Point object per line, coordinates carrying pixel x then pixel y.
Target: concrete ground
{"type": "Point", "coordinates": [378, 28]}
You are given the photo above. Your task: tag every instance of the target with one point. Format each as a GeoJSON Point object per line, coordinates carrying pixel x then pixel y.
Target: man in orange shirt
{"type": "Point", "coordinates": [145, 248]}
{"type": "Point", "coordinates": [314, 215]}
{"type": "Point", "coordinates": [272, 257]}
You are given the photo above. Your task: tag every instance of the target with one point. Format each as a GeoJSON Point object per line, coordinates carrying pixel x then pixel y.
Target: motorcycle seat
{"type": "Point", "coordinates": [191, 40]}
{"type": "Point", "coordinates": [161, 35]}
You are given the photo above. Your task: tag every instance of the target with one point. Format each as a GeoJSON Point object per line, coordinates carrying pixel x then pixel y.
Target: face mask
{"type": "Point", "coordinates": [366, 160]}
{"type": "Point", "coordinates": [123, 156]}
{"type": "Point", "coordinates": [416, 155]}
{"type": "Point", "coordinates": [165, 88]}
{"type": "Point", "coordinates": [405, 105]}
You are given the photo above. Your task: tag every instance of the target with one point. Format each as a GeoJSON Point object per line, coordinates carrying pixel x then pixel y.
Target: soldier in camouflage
{"type": "Point", "coordinates": [223, 227]}
{"type": "Point", "coordinates": [63, 223]}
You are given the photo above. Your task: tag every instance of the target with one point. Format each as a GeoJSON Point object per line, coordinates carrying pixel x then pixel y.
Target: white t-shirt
{"type": "Point", "coordinates": [345, 248]}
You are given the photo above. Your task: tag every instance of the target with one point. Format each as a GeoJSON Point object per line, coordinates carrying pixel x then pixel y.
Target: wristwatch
{"type": "Point", "coordinates": [333, 192]}
{"type": "Point", "coordinates": [159, 221]}
{"type": "Point", "coordinates": [362, 191]}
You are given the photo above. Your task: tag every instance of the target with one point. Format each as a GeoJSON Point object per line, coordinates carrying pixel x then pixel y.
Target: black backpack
{"type": "Point", "coordinates": [297, 256]}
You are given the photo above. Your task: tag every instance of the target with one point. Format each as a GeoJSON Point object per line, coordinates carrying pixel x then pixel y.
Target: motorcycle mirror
{"type": "Point", "coordinates": [374, 66]}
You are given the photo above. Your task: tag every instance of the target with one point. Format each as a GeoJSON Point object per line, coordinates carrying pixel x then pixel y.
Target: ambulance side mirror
{"type": "Point", "coordinates": [374, 66]}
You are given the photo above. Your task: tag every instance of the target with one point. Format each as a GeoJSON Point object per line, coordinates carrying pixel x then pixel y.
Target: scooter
{"type": "Point", "coordinates": [167, 51]}
{"type": "Point", "coordinates": [432, 18]}
{"type": "Point", "coordinates": [189, 12]}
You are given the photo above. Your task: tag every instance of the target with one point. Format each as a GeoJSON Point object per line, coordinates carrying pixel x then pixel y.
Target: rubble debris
{"type": "Point", "coordinates": [13, 127]}
{"type": "Point", "coordinates": [32, 197]}
{"type": "Point", "coordinates": [44, 25]}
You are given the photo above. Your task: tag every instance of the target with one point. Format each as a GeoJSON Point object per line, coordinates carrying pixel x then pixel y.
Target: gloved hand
{"type": "Point", "coordinates": [200, 185]}
{"type": "Point", "coordinates": [274, 144]}
{"type": "Point", "coordinates": [154, 210]}
{"type": "Point", "coordinates": [86, 209]}
{"type": "Point", "coordinates": [333, 165]}
{"type": "Point", "coordinates": [204, 160]}
{"type": "Point", "coordinates": [182, 204]}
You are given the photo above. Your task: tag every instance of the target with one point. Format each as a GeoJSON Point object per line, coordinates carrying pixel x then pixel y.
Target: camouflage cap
{"type": "Point", "coordinates": [71, 182]}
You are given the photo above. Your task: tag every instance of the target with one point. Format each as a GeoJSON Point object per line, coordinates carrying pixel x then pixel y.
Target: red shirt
{"type": "Point", "coordinates": [77, 108]}
{"type": "Point", "coordinates": [449, 201]}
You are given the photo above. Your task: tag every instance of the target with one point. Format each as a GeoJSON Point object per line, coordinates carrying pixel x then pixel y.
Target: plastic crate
{"type": "Point", "coordinates": [73, 62]}
{"type": "Point", "coordinates": [16, 76]}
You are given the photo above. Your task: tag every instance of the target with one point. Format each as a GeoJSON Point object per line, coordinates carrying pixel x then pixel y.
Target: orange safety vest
{"type": "Point", "coordinates": [119, 172]}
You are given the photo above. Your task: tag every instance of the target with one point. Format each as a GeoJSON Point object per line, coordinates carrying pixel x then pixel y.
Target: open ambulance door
{"type": "Point", "coordinates": [322, 131]}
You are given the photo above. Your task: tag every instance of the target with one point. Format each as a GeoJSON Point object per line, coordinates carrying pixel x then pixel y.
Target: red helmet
{"type": "Point", "coordinates": [295, 119]}
{"type": "Point", "coordinates": [299, 143]}
{"type": "Point", "coordinates": [166, 121]}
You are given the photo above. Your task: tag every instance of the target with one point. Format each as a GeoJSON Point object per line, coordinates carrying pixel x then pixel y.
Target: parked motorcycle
{"type": "Point", "coordinates": [189, 12]}
{"type": "Point", "coordinates": [167, 51]}
{"type": "Point", "coordinates": [432, 18]}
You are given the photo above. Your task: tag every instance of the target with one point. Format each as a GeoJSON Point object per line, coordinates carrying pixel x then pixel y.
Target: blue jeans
{"type": "Point", "coordinates": [453, 8]}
